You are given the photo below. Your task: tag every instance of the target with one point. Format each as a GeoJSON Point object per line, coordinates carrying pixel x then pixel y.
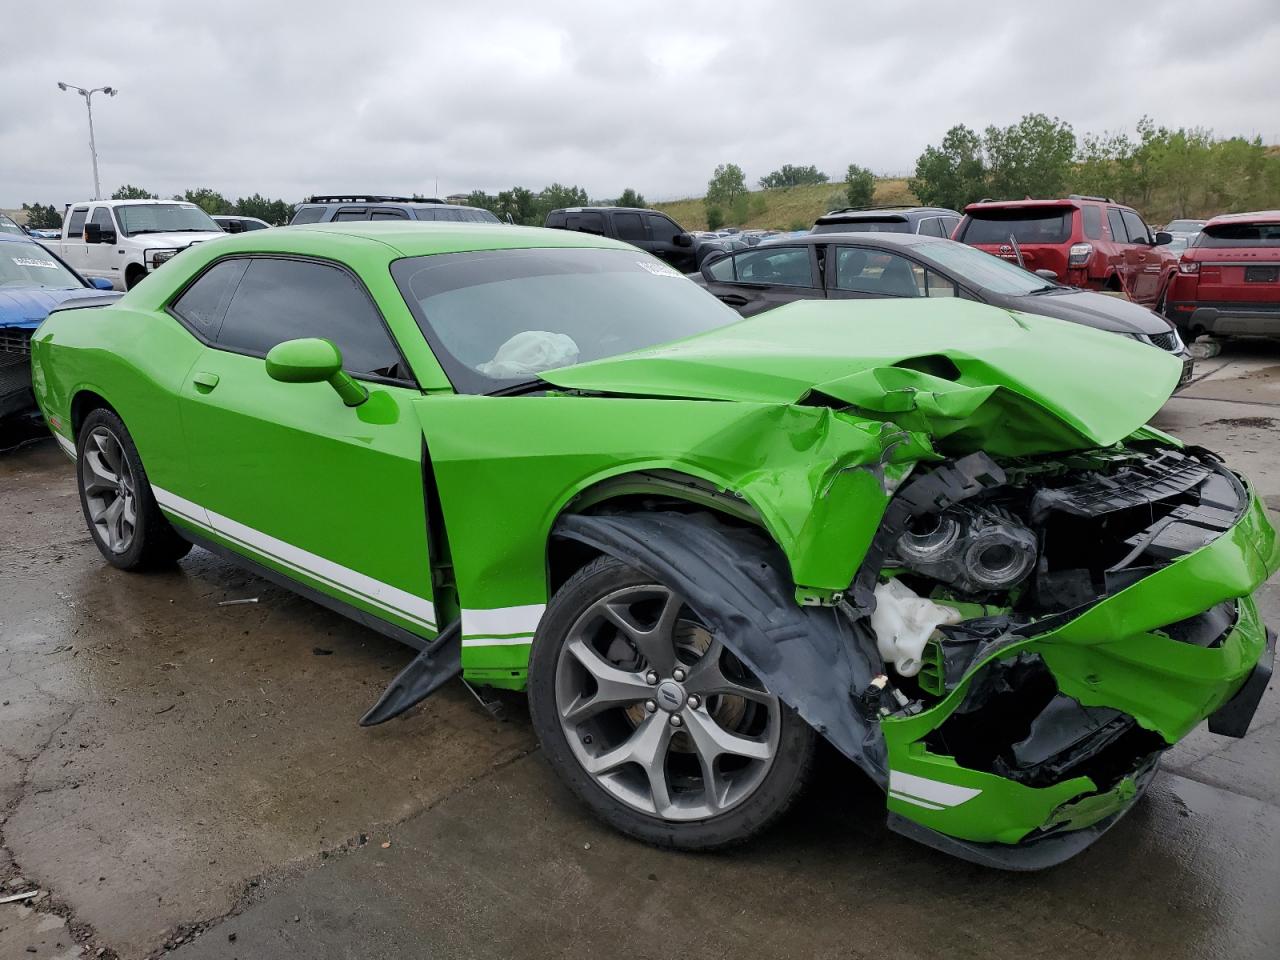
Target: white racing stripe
{"type": "Point", "coordinates": [67, 446]}
{"type": "Point", "coordinates": [391, 599]}
{"type": "Point", "coordinates": [928, 793]}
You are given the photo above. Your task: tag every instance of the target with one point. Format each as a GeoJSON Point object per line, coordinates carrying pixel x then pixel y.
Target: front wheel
{"type": "Point", "coordinates": [124, 520]}
{"type": "Point", "coordinates": [653, 722]}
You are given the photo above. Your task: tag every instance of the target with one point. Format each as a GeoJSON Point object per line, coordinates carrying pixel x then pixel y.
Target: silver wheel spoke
{"type": "Point", "coordinates": [712, 740]}
{"type": "Point", "coordinates": [707, 679]}
{"type": "Point", "coordinates": [614, 687]}
{"type": "Point", "coordinates": [647, 747]}
{"type": "Point", "coordinates": [102, 477]}
{"type": "Point", "coordinates": [107, 483]}
{"type": "Point", "coordinates": [654, 643]}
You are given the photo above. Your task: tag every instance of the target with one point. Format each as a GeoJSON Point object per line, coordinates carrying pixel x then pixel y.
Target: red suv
{"type": "Point", "coordinates": [1228, 280]}
{"type": "Point", "coordinates": [1087, 242]}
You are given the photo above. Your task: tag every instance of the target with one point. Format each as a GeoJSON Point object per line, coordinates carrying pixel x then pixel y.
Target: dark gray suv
{"type": "Point", "coordinates": [334, 209]}
{"type": "Point", "coordinates": [927, 221]}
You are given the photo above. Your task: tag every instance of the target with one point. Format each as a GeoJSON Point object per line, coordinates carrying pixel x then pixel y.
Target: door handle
{"type": "Point", "coordinates": [205, 381]}
{"type": "Point", "coordinates": [733, 299]}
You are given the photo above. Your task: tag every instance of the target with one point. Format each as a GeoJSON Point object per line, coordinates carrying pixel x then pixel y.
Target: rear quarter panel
{"type": "Point", "coordinates": [136, 361]}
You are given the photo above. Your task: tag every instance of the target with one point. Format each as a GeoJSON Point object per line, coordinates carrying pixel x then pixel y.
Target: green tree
{"type": "Point", "coordinates": [715, 217]}
{"type": "Point", "coordinates": [630, 198]}
{"type": "Point", "coordinates": [741, 209]}
{"type": "Point", "coordinates": [275, 212]}
{"type": "Point", "coordinates": [130, 192]}
{"type": "Point", "coordinates": [1031, 158]}
{"type": "Point", "coordinates": [953, 173]}
{"type": "Point", "coordinates": [859, 186]}
{"type": "Point", "coordinates": [556, 196]}
{"type": "Point", "coordinates": [792, 176]}
{"type": "Point", "coordinates": [42, 217]}
{"type": "Point", "coordinates": [726, 185]}
{"type": "Point", "coordinates": [478, 198]}
{"type": "Point", "coordinates": [521, 205]}
{"type": "Point", "coordinates": [207, 199]}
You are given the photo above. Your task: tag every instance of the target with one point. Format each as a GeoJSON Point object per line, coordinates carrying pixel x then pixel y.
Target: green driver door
{"type": "Point", "coordinates": [305, 451]}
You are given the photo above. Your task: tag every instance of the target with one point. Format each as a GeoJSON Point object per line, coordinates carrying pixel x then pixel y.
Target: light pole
{"type": "Point", "coordinates": [88, 102]}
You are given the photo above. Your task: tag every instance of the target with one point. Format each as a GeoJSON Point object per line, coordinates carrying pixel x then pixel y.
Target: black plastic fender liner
{"type": "Point", "coordinates": [737, 580]}
{"type": "Point", "coordinates": [434, 666]}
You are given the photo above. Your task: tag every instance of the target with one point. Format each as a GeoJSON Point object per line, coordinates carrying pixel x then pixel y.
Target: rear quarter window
{"type": "Point", "coordinates": [308, 215]}
{"type": "Point", "coordinates": [1092, 222]}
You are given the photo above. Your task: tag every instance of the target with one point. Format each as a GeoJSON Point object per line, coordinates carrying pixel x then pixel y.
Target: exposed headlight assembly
{"type": "Point", "coordinates": [975, 549]}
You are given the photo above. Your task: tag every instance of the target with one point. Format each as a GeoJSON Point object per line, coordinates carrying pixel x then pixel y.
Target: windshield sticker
{"type": "Point", "coordinates": [33, 262]}
{"type": "Point", "coordinates": [659, 269]}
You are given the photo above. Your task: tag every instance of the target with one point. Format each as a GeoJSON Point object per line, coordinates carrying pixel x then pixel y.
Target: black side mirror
{"type": "Point", "coordinates": [92, 233]}
{"type": "Point", "coordinates": [233, 226]}
{"type": "Point", "coordinates": [1163, 237]}
{"type": "Point", "coordinates": [682, 240]}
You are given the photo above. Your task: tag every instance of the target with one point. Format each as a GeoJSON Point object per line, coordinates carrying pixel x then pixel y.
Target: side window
{"type": "Point", "coordinates": [949, 225]}
{"type": "Point", "coordinates": [280, 300]}
{"type": "Point", "coordinates": [102, 217]}
{"type": "Point", "coordinates": [308, 215]}
{"type": "Point", "coordinates": [931, 227]}
{"type": "Point", "coordinates": [205, 301]}
{"type": "Point", "coordinates": [871, 271]}
{"type": "Point", "coordinates": [75, 226]}
{"type": "Point", "coordinates": [776, 266]}
{"type": "Point", "coordinates": [938, 286]}
{"type": "Point", "coordinates": [722, 270]}
{"type": "Point", "coordinates": [629, 227]}
{"type": "Point", "coordinates": [388, 213]}
{"type": "Point", "coordinates": [1137, 230]}
{"type": "Point", "coordinates": [556, 220]}
{"type": "Point", "coordinates": [1092, 222]}
{"type": "Point", "coordinates": [661, 229]}
{"type": "Point", "coordinates": [588, 222]}
{"type": "Point", "coordinates": [351, 213]}
{"type": "Point", "coordinates": [1117, 225]}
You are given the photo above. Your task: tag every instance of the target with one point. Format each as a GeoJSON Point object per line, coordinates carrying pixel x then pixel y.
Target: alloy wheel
{"type": "Point", "coordinates": [658, 712]}
{"type": "Point", "coordinates": [110, 489]}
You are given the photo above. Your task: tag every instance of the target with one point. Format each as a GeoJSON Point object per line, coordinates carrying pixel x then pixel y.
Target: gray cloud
{"type": "Point", "coordinates": [287, 98]}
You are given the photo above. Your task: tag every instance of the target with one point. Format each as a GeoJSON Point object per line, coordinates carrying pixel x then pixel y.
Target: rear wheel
{"type": "Point", "coordinates": [123, 518]}
{"type": "Point", "coordinates": [653, 722]}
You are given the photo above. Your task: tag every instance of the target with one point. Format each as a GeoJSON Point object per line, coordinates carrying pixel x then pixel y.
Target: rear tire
{"type": "Point", "coordinates": [121, 512]}
{"type": "Point", "coordinates": [703, 770]}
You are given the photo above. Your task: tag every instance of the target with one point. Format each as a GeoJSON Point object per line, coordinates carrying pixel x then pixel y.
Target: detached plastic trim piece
{"type": "Point", "coordinates": [1233, 717]}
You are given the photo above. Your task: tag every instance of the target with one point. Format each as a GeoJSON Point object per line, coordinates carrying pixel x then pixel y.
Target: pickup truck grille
{"type": "Point", "coordinates": [15, 341]}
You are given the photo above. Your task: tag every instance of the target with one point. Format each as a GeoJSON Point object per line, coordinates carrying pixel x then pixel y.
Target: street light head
{"type": "Point", "coordinates": [110, 91]}
{"type": "Point", "coordinates": [61, 85]}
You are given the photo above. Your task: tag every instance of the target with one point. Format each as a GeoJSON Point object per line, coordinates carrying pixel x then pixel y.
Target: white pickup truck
{"type": "Point", "coordinates": [124, 240]}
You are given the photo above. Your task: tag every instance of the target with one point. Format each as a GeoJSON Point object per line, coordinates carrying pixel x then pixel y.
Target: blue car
{"type": "Point", "coordinates": [33, 281]}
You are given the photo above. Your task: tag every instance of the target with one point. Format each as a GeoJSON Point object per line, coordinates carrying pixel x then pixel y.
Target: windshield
{"type": "Point", "coordinates": [31, 265]}
{"type": "Point", "coordinates": [1184, 226]}
{"type": "Point", "coordinates": [496, 318]}
{"type": "Point", "coordinates": [457, 214]}
{"type": "Point", "coordinates": [865, 225]}
{"type": "Point", "coordinates": [1240, 235]}
{"type": "Point", "coordinates": [8, 226]}
{"type": "Point", "coordinates": [1025, 224]}
{"type": "Point", "coordinates": [164, 218]}
{"type": "Point", "coordinates": [982, 270]}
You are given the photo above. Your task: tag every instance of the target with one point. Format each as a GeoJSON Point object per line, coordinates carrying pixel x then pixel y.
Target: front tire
{"type": "Point", "coordinates": [119, 507]}
{"type": "Point", "coordinates": [652, 722]}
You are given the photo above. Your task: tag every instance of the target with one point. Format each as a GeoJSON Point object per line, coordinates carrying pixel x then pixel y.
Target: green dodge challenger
{"type": "Point", "coordinates": [938, 534]}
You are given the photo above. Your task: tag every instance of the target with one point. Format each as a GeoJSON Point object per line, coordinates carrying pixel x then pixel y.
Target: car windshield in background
{"type": "Point", "coordinates": [31, 265]}
{"type": "Point", "coordinates": [9, 226]}
{"type": "Point", "coordinates": [1240, 235]}
{"type": "Point", "coordinates": [164, 218]}
{"type": "Point", "coordinates": [499, 317]}
{"type": "Point", "coordinates": [969, 265]}
{"type": "Point", "coordinates": [1184, 226]}
{"type": "Point", "coordinates": [1024, 224]}
{"type": "Point", "coordinates": [865, 225]}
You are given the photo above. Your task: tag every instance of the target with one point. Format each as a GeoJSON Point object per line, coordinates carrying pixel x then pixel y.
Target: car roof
{"type": "Point", "coordinates": [412, 238]}
{"type": "Point", "coordinates": [605, 209]}
{"type": "Point", "coordinates": [1255, 216]}
{"type": "Point", "coordinates": [854, 236]}
{"type": "Point", "coordinates": [901, 214]}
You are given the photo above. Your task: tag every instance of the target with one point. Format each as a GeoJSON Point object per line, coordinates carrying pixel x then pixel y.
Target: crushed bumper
{"type": "Point", "coordinates": [1121, 681]}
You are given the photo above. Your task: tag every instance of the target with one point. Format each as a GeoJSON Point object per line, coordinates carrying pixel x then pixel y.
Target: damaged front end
{"type": "Point", "coordinates": [1050, 626]}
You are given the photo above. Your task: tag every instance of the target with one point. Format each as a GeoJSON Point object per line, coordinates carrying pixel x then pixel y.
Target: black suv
{"type": "Point", "coordinates": [370, 207]}
{"type": "Point", "coordinates": [647, 229]}
{"type": "Point", "coordinates": [928, 221]}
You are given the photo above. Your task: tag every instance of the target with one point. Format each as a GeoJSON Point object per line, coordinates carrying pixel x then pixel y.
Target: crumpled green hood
{"type": "Point", "coordinates": [969, 375]}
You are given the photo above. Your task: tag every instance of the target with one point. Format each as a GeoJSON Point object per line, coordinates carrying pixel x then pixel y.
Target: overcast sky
{"type": "Point", "coordinates": [288, 98]}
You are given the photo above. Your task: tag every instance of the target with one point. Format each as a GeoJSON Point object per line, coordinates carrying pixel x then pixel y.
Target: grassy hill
{"type": "Point", "coordinates": [787, 208]}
